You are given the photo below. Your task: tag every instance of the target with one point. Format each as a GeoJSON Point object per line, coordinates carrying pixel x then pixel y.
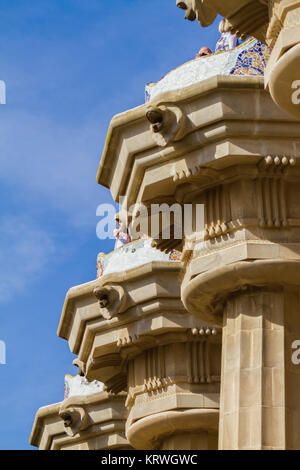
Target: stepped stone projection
{"type": "Point", "coordinates": [85, 420]}
{"type": "Point", "coordinates": [192, 341]}
{"type": "Point", "coordinates": [273, 22]}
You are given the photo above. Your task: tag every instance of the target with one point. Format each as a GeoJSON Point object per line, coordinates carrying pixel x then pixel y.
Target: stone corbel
{"type": "Point", "coordinates": [131, 346]}
{"type": "Point", "coordinates": [283, 15]}
{"type": "Point", "coordinates": [117, 383]}
{"type": "Point", "coordinates": [166, 246]}
{"type": "Point", "coordinates": [168, 123]}
{"type": "Point", "coordinates": [192, 174]}
{"type": "Point", "coordinates": [199, 9]}
{"type": "Point", "coordinates": [112, 300]}
{"type": "Point", "coordinates": [188, 249]}
{"type": "Point", "coordinates": [251, 18]}
{"type": "Point", "coordinates": [275, 25]}
{"type": "Point", "coordinates": [75, 418]}
{"type": "Point", "coordinates": [116, 380]}
{"type": "Point", "coordinates": [81, 367]}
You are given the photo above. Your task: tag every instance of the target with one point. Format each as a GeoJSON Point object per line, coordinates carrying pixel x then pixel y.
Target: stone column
{"type": "Point", "coordinates": [258, 303]}
{"type": "Point", "coordinates": [248, 281]}
{"type": "Point", "coordinates": [282, 76]}
{"type": "Point", "coordinates": [260, 406]}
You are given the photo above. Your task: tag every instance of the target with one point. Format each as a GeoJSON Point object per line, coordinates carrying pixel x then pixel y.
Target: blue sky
{"type": "Point", "coordinates": [69, 66]}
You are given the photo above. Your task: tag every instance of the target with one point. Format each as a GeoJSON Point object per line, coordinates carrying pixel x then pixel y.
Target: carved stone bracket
{"type": "Point", "coordinates": [200, 9]}
{"type": "Point", "coordinates": [117, 380]}
{"type": "Point", "coordinates": [75, 418]}
{"type": "Point", "coordinates": [243, 18]}
{"type": "Point", "coordinates": [112, 300]}
{"type": "Point", "coordinates": [168, 123]}
{"type": "Point", "coordinates": [252, 16]}
{"type": "Point", "coordinates": [81, 367]}
{"type": "Point", "coordinates": [194, 173]}
{"type": "Point", "coordinates": [130, 346]}
{"type": "Point", "coordinates": [117, 384]}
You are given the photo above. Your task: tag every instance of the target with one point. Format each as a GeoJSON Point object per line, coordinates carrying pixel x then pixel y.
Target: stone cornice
{"type": "Point", "coordinates": [205, 294]}
{"type": "Point", "coordinates": [143, 310]}
{"type": "Point", "coordinates": [146, 433]}
{"type": "Point", "coordinates": [49, 425]}
{"type": "Point", "coordinates": [38, 426]}
{"type": "Point", "coordinates": [138, 115]}
{"type": "Point", "coordinates": [87, 290]}
{"type": "Point", "coordinates": [140, 304]}
{"type": "Point", "coordinates": [215, 130]}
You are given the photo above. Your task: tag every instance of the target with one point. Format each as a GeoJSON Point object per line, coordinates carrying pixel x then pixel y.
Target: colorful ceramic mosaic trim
{"type": "Point", "coordinates": [249, 58]}
{"type": "Point", "coordinates": [252, 61]}
{"type": "Point", "coordinates": [132, 255]}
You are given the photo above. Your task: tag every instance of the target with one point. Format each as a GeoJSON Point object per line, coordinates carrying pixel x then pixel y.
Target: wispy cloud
{"type": "Point", "coordinates": [53, 164]}
{"type": "Point", "coordinates": [25, 251]}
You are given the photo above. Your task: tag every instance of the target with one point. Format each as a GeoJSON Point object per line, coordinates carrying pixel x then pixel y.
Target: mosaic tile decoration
{"type": "Point", "coordinates": [252, 61]}
{"type": "Point", "coordinates": [249, 58]}
{"type": "Point", "coordinates": [132, 255]}
{"type": "Point", "coordinates": [79, 386]}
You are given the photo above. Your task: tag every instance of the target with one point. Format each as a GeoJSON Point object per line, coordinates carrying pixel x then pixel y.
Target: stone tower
{"type": "Point", "coordinates": [196, 352]}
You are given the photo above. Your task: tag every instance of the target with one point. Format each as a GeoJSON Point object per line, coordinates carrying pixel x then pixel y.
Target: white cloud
{"type": "Point", "coordinates": [24, 252]}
